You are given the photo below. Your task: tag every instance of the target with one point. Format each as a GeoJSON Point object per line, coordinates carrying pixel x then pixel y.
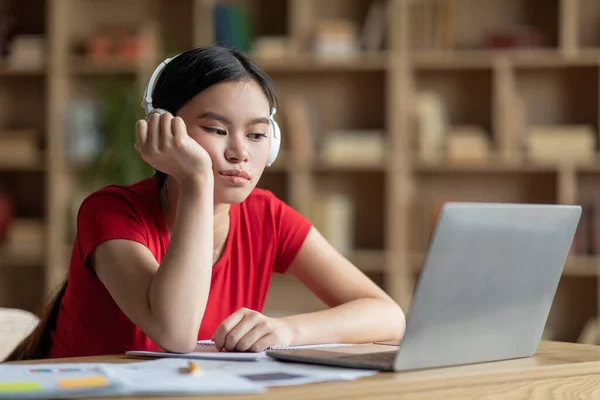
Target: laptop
{"type": "Point", "coordinates": [484, 293]}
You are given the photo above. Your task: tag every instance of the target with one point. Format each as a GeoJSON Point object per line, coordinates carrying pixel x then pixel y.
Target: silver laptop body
{"type": "Point", "coordinates": [485, 291]}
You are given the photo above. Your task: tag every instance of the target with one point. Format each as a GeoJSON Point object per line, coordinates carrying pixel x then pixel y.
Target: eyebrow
{"type": "Point", "coordinates": [227, 121]}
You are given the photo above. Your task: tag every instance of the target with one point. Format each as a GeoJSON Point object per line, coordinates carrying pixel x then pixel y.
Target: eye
{"type": "Point", "coordinates": [257, 136]}
{"type": "Point", "coordinates": [214, 130]}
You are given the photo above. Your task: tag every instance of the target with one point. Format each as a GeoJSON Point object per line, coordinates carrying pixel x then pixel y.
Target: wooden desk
{"type": "Point", "coordinates": [558, 370]}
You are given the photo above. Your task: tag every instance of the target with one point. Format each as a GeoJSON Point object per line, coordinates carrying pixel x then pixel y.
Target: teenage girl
{"type": "Point", "coordinates": [188, 253]}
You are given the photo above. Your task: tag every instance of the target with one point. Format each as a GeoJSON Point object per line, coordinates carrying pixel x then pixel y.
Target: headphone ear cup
{"type": "Point", "coordinates": [158, 111]}
{"type": "Point", "coordinates": [275, 136]}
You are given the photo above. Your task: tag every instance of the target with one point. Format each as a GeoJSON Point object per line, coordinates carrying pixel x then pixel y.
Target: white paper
{"type": "Point", "coordinates": [165, 377]}
{"type": "Point", "coordinates": [270, 372]}
{"type": "Point", "coordinates": [151, 377]}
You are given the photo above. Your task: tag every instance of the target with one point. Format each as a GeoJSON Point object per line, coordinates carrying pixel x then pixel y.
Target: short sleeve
{"type": "Point", "coordinates": [291, 229]}
{"type": "Point", "coordinates": [105, 217]}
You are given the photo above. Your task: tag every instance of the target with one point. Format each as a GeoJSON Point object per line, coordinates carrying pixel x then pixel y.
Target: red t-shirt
{"type": "Point", "coordinates": [264, 237]}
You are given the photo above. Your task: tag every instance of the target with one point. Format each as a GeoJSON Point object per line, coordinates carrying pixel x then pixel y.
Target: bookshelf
{"type": "Point", "coordinates": [546, 75]}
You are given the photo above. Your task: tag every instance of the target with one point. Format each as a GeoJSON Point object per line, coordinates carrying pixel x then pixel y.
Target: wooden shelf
{"type": "Point", "coordinates": [7, 71]}
{"type": "Point", "coordinates": [80, 65]}
{"type": "Point", "coordinates": [491, 167]}
{"type": "Point", "coordinates": [576, 266]}
{"type": "Point", "coordinates": [558, 83]}
{"type": "Point", "coordinates": [20, 257]}
{"type": "Point", "coordinates": [22, 166]}
{"type": "Point", "coordinates": [324, 166]}
{"type": "Point", "coordinates": [582, 266]}
{"type": "Point", "coordinates": [309, 63]}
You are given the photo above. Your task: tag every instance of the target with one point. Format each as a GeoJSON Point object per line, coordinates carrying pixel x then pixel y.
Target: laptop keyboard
{"type": "Point", "coordinates": [382, 358]}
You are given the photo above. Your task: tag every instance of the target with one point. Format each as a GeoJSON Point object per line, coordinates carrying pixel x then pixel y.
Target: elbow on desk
{"type": "Point", "coordinates": [174, 342]}
{"type": "Point", "coordinates": [399, 328]}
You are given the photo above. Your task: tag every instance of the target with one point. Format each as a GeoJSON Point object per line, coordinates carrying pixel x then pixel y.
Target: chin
{"type": "Point", "coordinates": [228, 195]}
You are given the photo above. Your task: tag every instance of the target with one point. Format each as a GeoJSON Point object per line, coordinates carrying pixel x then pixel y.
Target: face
{"type": "Point", "coordinates": [230, 121]}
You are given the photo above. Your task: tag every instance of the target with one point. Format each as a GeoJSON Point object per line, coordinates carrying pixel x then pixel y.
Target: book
{"type": "Point", "coordinates": [206, 350]}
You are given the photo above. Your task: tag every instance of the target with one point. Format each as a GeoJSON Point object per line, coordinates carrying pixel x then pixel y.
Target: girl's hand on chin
{"type": "Point", "coordinates": [163, 142]}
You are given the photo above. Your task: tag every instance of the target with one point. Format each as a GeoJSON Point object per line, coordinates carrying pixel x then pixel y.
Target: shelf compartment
{"type": "Point", "coordinates": [586, 245]}
{"type": "Point", "coordinates": [436, 188]}
{"type": "Point", "coordinates": [451, 98]}
{"type": "Point", "coordinates": [314, 105]}
{"type": "Point", "coordinates": [555, 96]}
{"type": "Point", "coordinates": [466, 24]}
{"type": "Point", "coordinates": [574, 303]}
{"type": "Point", "coordinates": [357, 196]}
{"type": "Point", "coordinates": [21, 104]}
{"type": "Point", "coordinates": [467, 94]}
{"type": "Point", "coordinates": [588, 29]}
{"type": "Point", "coordinates": [27, 190]}
{"type": "Point", "coordinates": [22, 288]}
{"type": "Point", "coordinates": [266, 17]}
{"type": "Point", "coordinates": [349, 100]}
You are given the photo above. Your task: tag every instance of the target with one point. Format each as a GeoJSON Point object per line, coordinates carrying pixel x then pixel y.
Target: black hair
{"type": "Point", "coordinates": [195, 70]}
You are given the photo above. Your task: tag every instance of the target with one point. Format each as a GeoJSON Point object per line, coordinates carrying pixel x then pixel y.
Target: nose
{"type": "Point", "coordinates": [236, 151]}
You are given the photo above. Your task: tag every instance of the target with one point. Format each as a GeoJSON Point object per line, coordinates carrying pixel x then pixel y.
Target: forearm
{"type": "Point", "coordinates": [179, 290]}
{"type": "Point", "coordinates": [358, 321]}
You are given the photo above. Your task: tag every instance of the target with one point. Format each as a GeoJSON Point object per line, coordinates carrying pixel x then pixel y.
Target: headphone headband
{"type": "Point", "coordinates": [147, 100]}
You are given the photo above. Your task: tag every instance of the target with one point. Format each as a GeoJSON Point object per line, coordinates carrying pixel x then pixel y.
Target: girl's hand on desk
{"type": "Point", "coordinates": [249, 330]}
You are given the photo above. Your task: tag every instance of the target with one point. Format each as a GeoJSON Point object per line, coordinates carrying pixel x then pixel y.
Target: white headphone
{"type": "Point", "coordinates": [274, 131]}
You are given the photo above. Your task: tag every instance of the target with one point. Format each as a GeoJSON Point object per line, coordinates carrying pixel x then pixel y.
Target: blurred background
{"type": "Point", "coordinates": [388, 108]}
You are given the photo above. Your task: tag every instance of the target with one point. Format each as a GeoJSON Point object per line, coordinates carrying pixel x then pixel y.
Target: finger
{"type": "Point", "coordinates": [263, 343]}
{"type": "Point", "coordinates": [246, 342]}
{"type": "Point", "coordinates": [227, 325]}
{"type": "Point", "coordinates": [141, 134]}
{"type": "Point", "coordinates": [166, 134]}
{"type": "Point", "coordinates": [153, 131]}
{"type": "Point", "coordinates": [179, 130]}
{"type": "Point", "coordinates": [240, 331]}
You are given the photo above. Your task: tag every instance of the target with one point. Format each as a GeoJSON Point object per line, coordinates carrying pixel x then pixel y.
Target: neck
{"type": "Point", "coordinates": [168, 201]}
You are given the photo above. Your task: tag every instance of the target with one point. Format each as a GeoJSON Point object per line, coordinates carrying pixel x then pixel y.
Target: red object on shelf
{"type": "Point", "coordinates": [129, 47]}
{"type": "Point", "coordinates": [518, 38]}
{"type": "Point", "coordinates": [6, 215]}
{"type": "Point", "coordinates": [99, 46]}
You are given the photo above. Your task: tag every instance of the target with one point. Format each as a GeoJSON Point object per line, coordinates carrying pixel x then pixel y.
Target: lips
{"type": "Point", "coordinates": [236, 173]}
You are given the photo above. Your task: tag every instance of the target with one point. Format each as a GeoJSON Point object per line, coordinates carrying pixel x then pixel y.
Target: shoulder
{"type": "Point", "coordinates": [120, 205]}
{"type": "Point", "coordinates": [132, 195]}
{"type": "Point", "coordinates": [118, 212]}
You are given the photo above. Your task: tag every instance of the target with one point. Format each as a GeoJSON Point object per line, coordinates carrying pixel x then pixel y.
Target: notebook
{"type": "Point", "coordinates": [206, 350]}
